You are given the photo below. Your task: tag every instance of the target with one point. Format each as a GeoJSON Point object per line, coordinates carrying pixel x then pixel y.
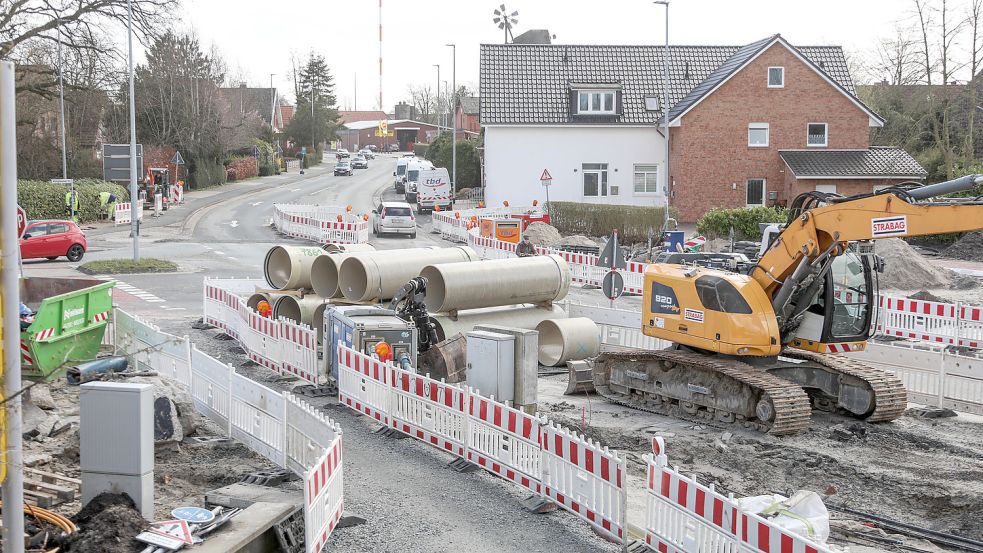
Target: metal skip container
{"type": "Point", "coordinates": [289, 267]}
{"type": "Point", "coordinates": [378, 275]}
{"type": "Point", "coordinates": [459, 286]}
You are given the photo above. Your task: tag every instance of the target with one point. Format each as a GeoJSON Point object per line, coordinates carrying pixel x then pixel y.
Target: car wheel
{"type": "Point", "coordinates": [413, 236]}
{"type": "Point", "coordinates": [75, 253]}
{"type": "Point", "coordinates": [52, 258]}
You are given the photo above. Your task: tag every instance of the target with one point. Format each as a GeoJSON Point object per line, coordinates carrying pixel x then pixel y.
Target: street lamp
{"type": "Point", "coordinates": [437, 108]}
{"type": "Point", "coordinates": [665, 112]}
{"type": "Point", "coordinates": [134, 214]}
{"type": "Point", "coordinates": [454, 115]}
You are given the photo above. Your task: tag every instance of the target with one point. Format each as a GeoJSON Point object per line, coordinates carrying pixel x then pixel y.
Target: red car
{"type": "Point", "coordinates": [52, 239]}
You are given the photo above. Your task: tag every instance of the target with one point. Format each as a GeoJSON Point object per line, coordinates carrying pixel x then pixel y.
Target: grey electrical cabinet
{"type": "Point", "coordinates": [491, 364]}
{"type": "Point", "coordinates": [526, 364]}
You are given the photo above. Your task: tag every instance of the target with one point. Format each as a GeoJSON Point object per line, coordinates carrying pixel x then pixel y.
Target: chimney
{"type": "Point", "coordinates": [242, 85]}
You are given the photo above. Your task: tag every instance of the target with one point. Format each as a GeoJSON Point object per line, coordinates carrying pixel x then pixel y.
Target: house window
{"type": "Point", "coordinates": [817, 134]}
{"type": "Point", "coordinates": [755, 192]}
{"type": "Point", "coordinates": [826, 188]}
{"type": "Point", "coordinates": [596, 102]}
{"type": "Point", "coordinates": [757, 135]}
{"type": "Point", "coordinates": [646, 179]}
{"type": "Point", "coordinates": [595, 179]}
{"type": "Point", "coordinates": [776, 77]}
{"type": "Point", "coordinates": [652, 103]}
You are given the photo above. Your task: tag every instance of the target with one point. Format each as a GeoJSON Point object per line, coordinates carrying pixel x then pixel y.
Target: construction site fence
{"type": "Point", "coordinates": [279, 426]}
{"type": "Point", "coordinates": [122, 213]}
{"type": "Point", "coordinates": [321, 224]}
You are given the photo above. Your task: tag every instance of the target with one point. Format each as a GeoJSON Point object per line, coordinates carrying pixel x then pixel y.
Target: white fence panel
{"type": "Point", "coordinates": [363, 384]}
{"type": "Point", "coordinates": [262, 339]}
{"type": "Point", "coordinates": [308, 434]}
{"type": "Point", "coordinates": [429, 410]}
{"type": "Point", "coordinates": [298, 350]}
{"type": "Point", "coordinates": [211, 388]}
{"type": "Point", "coordinates": [505, 441]}
{"type": "Point", "coordinates": [324, 499]}
{"type": "Point", "coordinates": [257, 417]}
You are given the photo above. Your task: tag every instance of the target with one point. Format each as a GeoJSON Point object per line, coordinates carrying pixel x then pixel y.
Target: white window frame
{"type": "Point", "coordinates": [764, 191]}
{"type": "Point", "coordinates": [826, 188]}
{"type": "Point", "coordinates": [825, 135]}
{"type": "Point", "coordinates": [658, 183]}
{"type": "Point", "coordinates": [590, 97]}
{"type": "Point", "coordinates": [603, 183]}
{"type": "Point", "coordinates": [758, 127]}
{"type": "Point", "coordinates": [768, 77]}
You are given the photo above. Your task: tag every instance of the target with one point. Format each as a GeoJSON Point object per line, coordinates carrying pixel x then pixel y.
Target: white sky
{"type": "Point", "coordinates": [256, 41]}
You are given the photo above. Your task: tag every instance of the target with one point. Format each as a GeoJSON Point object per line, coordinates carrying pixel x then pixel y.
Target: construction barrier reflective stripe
{"type": "Point", "coordinates": [281, 427]}
{"type": "Point", "coordinates": [940, 323]}
{"type": "Point", "coordinates": [262, 339]}
{"type": "Point", "coordinates": [122, 215]}
{"type": "Point", "coordinates": [297, 347]}
{"type": "Point", "coordinates": [429, 410]}
{"type": "Point", "coordinates": [363, 384]}
{"type": "Point", "coordinates": [685, 516]}
{"type": "Point", "coordinates": [320, 224]}
{"type": "Point", "coordinates": [506, 442]}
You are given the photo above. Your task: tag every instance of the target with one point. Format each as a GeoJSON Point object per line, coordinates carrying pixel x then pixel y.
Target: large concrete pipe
{"type": "Point", "coordinates": [567, 340]}
{"type": "Point", "coordinates": [324, 274]}
{"type": "Point", "coordinates": [253, 301]}
{"type": "Point", "coordinates": [318, 319]}
{"type": "Point", "coordinates": [378, 275]}
{"type": "Point", "coordinates": [298, 310]}
{"type": "Point", "coordinates": [459, 286]}
{"type": "Point", "coordinates": [348, 248]}
{"type": "Point", "coordinates": [517, 316]}
{"type": "Point", "coordinates": [289, 267]}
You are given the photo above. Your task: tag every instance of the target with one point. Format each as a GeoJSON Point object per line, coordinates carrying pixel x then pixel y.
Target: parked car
{"type": "Point", "coordinates": [359, 162]}
{"type": "Point", "coordinates": [367, 153]}
{"type": "Point", "coordinates": [433, 189]}
{"type": "Point", "coordinates": [342, 154]}
{"type": "Point", "coordinates": [343, 168]}
{"type": "Point", "coordinates": [372, 148]}
{"type": "Point", "coordinates": [413, 170]}
{"type": "Point", "coordinates": [392, 148]}
{"type": "Point", "coordinates": [394, 217]}
{"type": "Point", "coordinates": [53, 239]}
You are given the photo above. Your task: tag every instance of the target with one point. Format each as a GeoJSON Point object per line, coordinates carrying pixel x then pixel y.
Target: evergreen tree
{"type": "Point", "coordinates": [315, 87]}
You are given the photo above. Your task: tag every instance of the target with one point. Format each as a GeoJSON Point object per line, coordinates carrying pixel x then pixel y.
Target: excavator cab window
{"type": "Point", "coordinates": [848, 299]}
{"type": "Point", "coordinates": [716, 294]}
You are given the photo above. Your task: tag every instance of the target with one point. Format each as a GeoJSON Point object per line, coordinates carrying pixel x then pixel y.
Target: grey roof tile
{"type": "Point", "coordinates": [529, 83]}
{"type": "Point", "coordinates": [873, 163]}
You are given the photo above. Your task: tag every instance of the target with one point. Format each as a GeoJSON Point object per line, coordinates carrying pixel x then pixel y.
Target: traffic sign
{"type": "Point", "coordinates": [546, 179]}
{"type": "Point", "coordinates": [194, 515]}
{"type": "Point", "coordinates": [612, 256]}
{"type": "Point", "coordinates": [613, 285]}
{"type": "Point", "coordinates": [177, 529]}
{"type": "Point", "coordinates": [177, 159]}
{"type": "Point", "coordinates": [21, 222]}
{"type": "Point", "coordinates": [160, 540]}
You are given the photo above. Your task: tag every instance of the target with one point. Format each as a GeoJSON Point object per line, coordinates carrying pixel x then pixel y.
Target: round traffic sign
{"type": "Point", "coordinates": [21, 222]}
{"type": "Point", "coordinates": [613, 285]}
{"type": "Point", "coordinates": [195, 515]}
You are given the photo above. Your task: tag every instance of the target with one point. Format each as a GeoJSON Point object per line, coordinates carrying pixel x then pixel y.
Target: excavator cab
{"type": "Point", "coordinates": [839, 317]}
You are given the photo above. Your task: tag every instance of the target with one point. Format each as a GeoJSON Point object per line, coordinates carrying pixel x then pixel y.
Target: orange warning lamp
{"type": "Point", "coordinates": [384, 351]}
{"type": "Point", "coordinates": [365, 216]}
{"type": "Point", "coordinates": [457, 214]}
{"type": "Point", "coordinates": [340, 219]}
{"type": "Point", "coordinates": [505, 203]}
{"type": "Point", "coordinates": [348, 208]}
{"type": "Point", "coordinates": [481, 205]}
{"type": "Point", "coordinates": [436, 208]}
{"type": "Point", "coordinates": [535, 203]}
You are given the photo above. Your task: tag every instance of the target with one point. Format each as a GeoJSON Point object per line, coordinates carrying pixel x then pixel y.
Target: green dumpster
{"type": "Point", "coordinates": [70, 319]}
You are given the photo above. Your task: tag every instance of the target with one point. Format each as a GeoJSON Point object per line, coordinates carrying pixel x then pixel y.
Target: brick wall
{"type": "Point", "coordinates": [710, 158]}
{"type": "Point", "coordinates": [844, 187]}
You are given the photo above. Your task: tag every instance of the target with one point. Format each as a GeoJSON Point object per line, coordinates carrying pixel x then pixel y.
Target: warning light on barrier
{"type": "Point", "coordinates": [365, 217]}
{"type": "Point", "coordinates": [457, 214]}
{"type": "Point", "coordinates": [348, 208]}
{"type": "Point", "coordinates": [481, 205]}
{"type": "Point", "coordinates": [340, 219]}
{"type": "Point", "coordinates": [505, 203]}
{"type": "Point", "coordinates": [384, 351]}
{"type": "Point", "coordinates": [535, 203]}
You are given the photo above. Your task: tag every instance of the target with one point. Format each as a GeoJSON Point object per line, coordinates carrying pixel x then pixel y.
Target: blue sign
{"type": "Point", "coordinates": [195, 515]}
{"type": "Point", "coordinates": [303, 150]}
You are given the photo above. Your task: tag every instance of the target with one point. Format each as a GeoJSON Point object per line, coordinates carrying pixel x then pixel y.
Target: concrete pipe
{"type": "Point", "coordinates": [348, 248]}
{"type": "Point", "coordinates": [567, 340]}
{"type": "Point", "coordinates": [298, 310]}
{"type": "Point", "coordinates": [517, 316]}
{"type": "Point", "coordinates": [289, 267]}
{"type": "Point", "coordinates": [459, 286]}
{"type": "Point", "coordinates": [253, 301]}
{"type": "Point", "coordinates": [318, 319]}
{"type": "Point", "coordinates": [378, 275]}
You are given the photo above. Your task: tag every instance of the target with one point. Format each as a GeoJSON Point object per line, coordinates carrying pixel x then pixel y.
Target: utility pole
{"type": "Point", "coordinates": [355, 102]}
{"type": "Point", "coordinates": [61, 107]}
{"type": "Point", "coordinates": [665, 112]}
{"type": "Point", "coordinates": [440, 130]}
{"type": "Point", "coordinates": [453, 110]}
{"type": "Point", "coordinates": [134, 213]}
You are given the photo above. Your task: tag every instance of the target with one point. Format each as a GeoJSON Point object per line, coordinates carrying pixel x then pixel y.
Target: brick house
{"type": "Point", "coordinates": [466, 115]}
{"type": "Point", "coordinates": [749, 125]}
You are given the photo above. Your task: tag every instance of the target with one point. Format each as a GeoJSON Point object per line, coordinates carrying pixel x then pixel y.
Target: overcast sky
{"type": "Point", "coordinates": [257, 37]}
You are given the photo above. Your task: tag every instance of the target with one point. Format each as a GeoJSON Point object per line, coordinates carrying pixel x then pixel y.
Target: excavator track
{"type": "Point", "coordinates": [890, 394]}
{"type": "Point", "coordinates": [790, 408]}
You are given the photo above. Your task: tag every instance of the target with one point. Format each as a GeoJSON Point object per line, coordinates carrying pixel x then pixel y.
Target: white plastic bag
{"type": "Point", "coordinates": [803, 514]}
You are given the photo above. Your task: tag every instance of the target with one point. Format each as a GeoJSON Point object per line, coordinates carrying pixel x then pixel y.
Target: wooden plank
{"type": "Point", "coordinates": [48, 476]}
{"type": "Point", "coordinates": [62, 492]}
{"type": "Point", "coordinates": [38, 498]}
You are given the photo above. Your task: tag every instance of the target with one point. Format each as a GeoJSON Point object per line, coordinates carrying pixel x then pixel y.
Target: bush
{"type": "Point", "coordinates": [439, 152]}
{"type": "Point", "coordinates": [241, 168]}
{"type": "Point", "coordinates": [717, 222]}
{"type": "Point", "coordinates": [43, 200]}
{"type": "Point", "coordinates": [205, 174]}
{"type": "Point", "coordinates": [420, 149]}
{"type": "Point", "coordinates": [632, 221]}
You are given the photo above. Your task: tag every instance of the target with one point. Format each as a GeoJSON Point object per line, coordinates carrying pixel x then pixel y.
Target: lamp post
{"type": "Point", "coordinates": [440, 129]}
{"type": "Point", "coordinates": [453, 115]}
{"type": "Point", "coordinates": [134, 214]}
{"type": "Point", "coordinates": [665, 113]}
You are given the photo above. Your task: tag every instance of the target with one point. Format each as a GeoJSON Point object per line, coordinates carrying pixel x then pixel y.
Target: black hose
{"type": "Point", "coordinates": [934, 536]}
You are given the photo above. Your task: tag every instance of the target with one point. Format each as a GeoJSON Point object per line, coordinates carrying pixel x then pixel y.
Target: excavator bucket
{"type": "Point", "coordinates": [580, 377]}
{"type": "Point", "coordinates": [447, 360]}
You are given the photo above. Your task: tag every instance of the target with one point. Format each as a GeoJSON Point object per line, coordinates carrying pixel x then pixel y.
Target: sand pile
{"type": "Point", "coordinates": [577, 240]}
{"type": "Point", "coordinates": [906, 269]}
{"type": "Point", "coordinates": [542, 234]}
{"type": "Point", "coordinates": [967, 248]}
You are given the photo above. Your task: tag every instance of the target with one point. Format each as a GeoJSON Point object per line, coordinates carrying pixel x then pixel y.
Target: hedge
{"type": "Point", "coordinates": [717, 222]}
{"type": "Point", "coordinates": [43, 200]}
{"type": "Point", "coordinates": [632, 221]}
{"type": "Point", "coordinates": [240, 169]}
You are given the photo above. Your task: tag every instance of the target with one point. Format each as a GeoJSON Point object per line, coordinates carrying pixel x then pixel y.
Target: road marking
{"type": "Point", "coordinates": [138, 293]}
{"type": "Point", "coordinates": [294, 189]}
{"type": "Point", "coordinates": [220, 253]}
{"type": "Point", "coordinates": [254, 204]}
{"type": "Point", "coordinates": [232, 258]}
{"type": "Point", "coordinates": [234, 223]}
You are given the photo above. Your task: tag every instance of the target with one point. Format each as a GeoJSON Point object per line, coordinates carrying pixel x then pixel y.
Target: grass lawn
{"type": "Point", "coordinates": [127, 266]}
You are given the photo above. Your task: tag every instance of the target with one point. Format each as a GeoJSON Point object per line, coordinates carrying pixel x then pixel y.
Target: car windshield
{"type": "Point", "coordinates": [413, 175]}
{"type": "Point", "coordinates": [341, 164]}
{"type": "Point", "coordinates": [397, 212]}
{"type": "Point", "coordinates": [400, 170]}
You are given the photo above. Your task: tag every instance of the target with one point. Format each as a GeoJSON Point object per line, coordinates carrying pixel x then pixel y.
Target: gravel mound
{"type": "Point", "coordinates": [925, 295]}
{"type": "Point", "coordinates": [967, 248]}
{"type": "Point", "coordinates": [577, 240]}
{"type": "Point", "coordinates": [107, 524]}
{"type": "Point", "coordinates": [906, 269]}
{"type": "Point", "coordinates": [542, 234]}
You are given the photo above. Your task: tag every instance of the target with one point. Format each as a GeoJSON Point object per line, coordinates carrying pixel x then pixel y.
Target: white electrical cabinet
{"type": "Point", "coordinates": [491, 364]}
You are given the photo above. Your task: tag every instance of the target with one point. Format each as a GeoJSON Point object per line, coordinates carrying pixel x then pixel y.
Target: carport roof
{"type": "Point", "coordinates": [876, 162]}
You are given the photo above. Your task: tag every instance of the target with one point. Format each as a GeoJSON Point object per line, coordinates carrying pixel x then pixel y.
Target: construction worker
{"type": "Point", "coordinates": [26, 316]}
{"type": "Point", "coordinates": [68, 204]}
{"type": "Point", "coordinates": [525, 248]}
{"type": "Point", "coordinates": [264, 308]}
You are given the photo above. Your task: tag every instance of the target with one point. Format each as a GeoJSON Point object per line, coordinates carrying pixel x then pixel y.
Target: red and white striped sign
{"type": "Point", "coordinates": [44, 334]}
{"type": "Point", "coordinates": [25, 353]}
{"type": "Point", "coordinates": [99, 317]}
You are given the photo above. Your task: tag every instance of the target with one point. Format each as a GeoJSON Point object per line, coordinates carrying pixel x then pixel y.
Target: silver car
{"type": "Point", "coordinates": [395, 218]}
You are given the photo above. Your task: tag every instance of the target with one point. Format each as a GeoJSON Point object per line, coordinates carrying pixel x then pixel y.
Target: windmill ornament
{"type": "Point", "coordinates": [506, 21]}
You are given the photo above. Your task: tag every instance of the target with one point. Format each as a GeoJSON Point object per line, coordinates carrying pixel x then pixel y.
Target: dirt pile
{"type": "Point", "coordinates": [906, 269]}
{"type": "Point", "coordinates": [107, 524]}
{"type": "Point", "coordinates": [967, 248]}
{"type": "Point", "coordinates": [577, 241]}
{"type": "Point", "coordinates": [542, 234]}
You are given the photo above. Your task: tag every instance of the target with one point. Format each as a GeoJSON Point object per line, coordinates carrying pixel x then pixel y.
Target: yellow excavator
{"type": "Point", "coordinates": [758, 347]}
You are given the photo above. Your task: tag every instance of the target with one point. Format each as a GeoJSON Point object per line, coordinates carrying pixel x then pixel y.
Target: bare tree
{"type": "Point", "coordinates": [897, 58]}
{"type": "Point", "coordinates": [973, 20]}
{"type": "Point", "coordinates": [924, 17]}
{"type": "Point", "coordinates": [424, 100]}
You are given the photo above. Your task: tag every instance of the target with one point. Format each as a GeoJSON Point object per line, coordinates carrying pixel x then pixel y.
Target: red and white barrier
{"type": "Point", "coordinates": [363, 384]}
{"type": "Point", "coordinates": [122, 215]}
{"type": "Point", "coordinates": [298, 350]}
{"type": "Point", "coordinates": [262, 339]}
{"type": "Point", "coordinates": [506, 442]}
{"type": "Point", "coordinates": [429, 410]}
{"type": "Point", "coordinates": [320, 224]}
{"type": "Point", "coordinates": [940, 323]}
{"type": "Point", "coordinates": [684, 516]}
{"type": "Point", "coordinates": [324, 499]}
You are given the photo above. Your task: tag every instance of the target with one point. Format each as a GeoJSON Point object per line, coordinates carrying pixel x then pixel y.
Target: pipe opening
{"type": "Point", "coordinates": [436, 289]}
{"type": "Point", "coordinates": [278, 267]}
{"type": "Point", "coordinates": [324, 276]}
{"type": "Point", "coordinates": [353, 278]}
{"type": "Point", "coordinates": [550, 343]}
{"type": "Point", "coordinates": [288, 308]}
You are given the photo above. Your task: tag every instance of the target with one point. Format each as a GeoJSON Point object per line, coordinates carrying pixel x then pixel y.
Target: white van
{"type": "Point", "coordinates": [400, 174]}
{"type": "Point", "coordinates": [434, 188]}
{"type": "Point", "coordinates": [413, 169]}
